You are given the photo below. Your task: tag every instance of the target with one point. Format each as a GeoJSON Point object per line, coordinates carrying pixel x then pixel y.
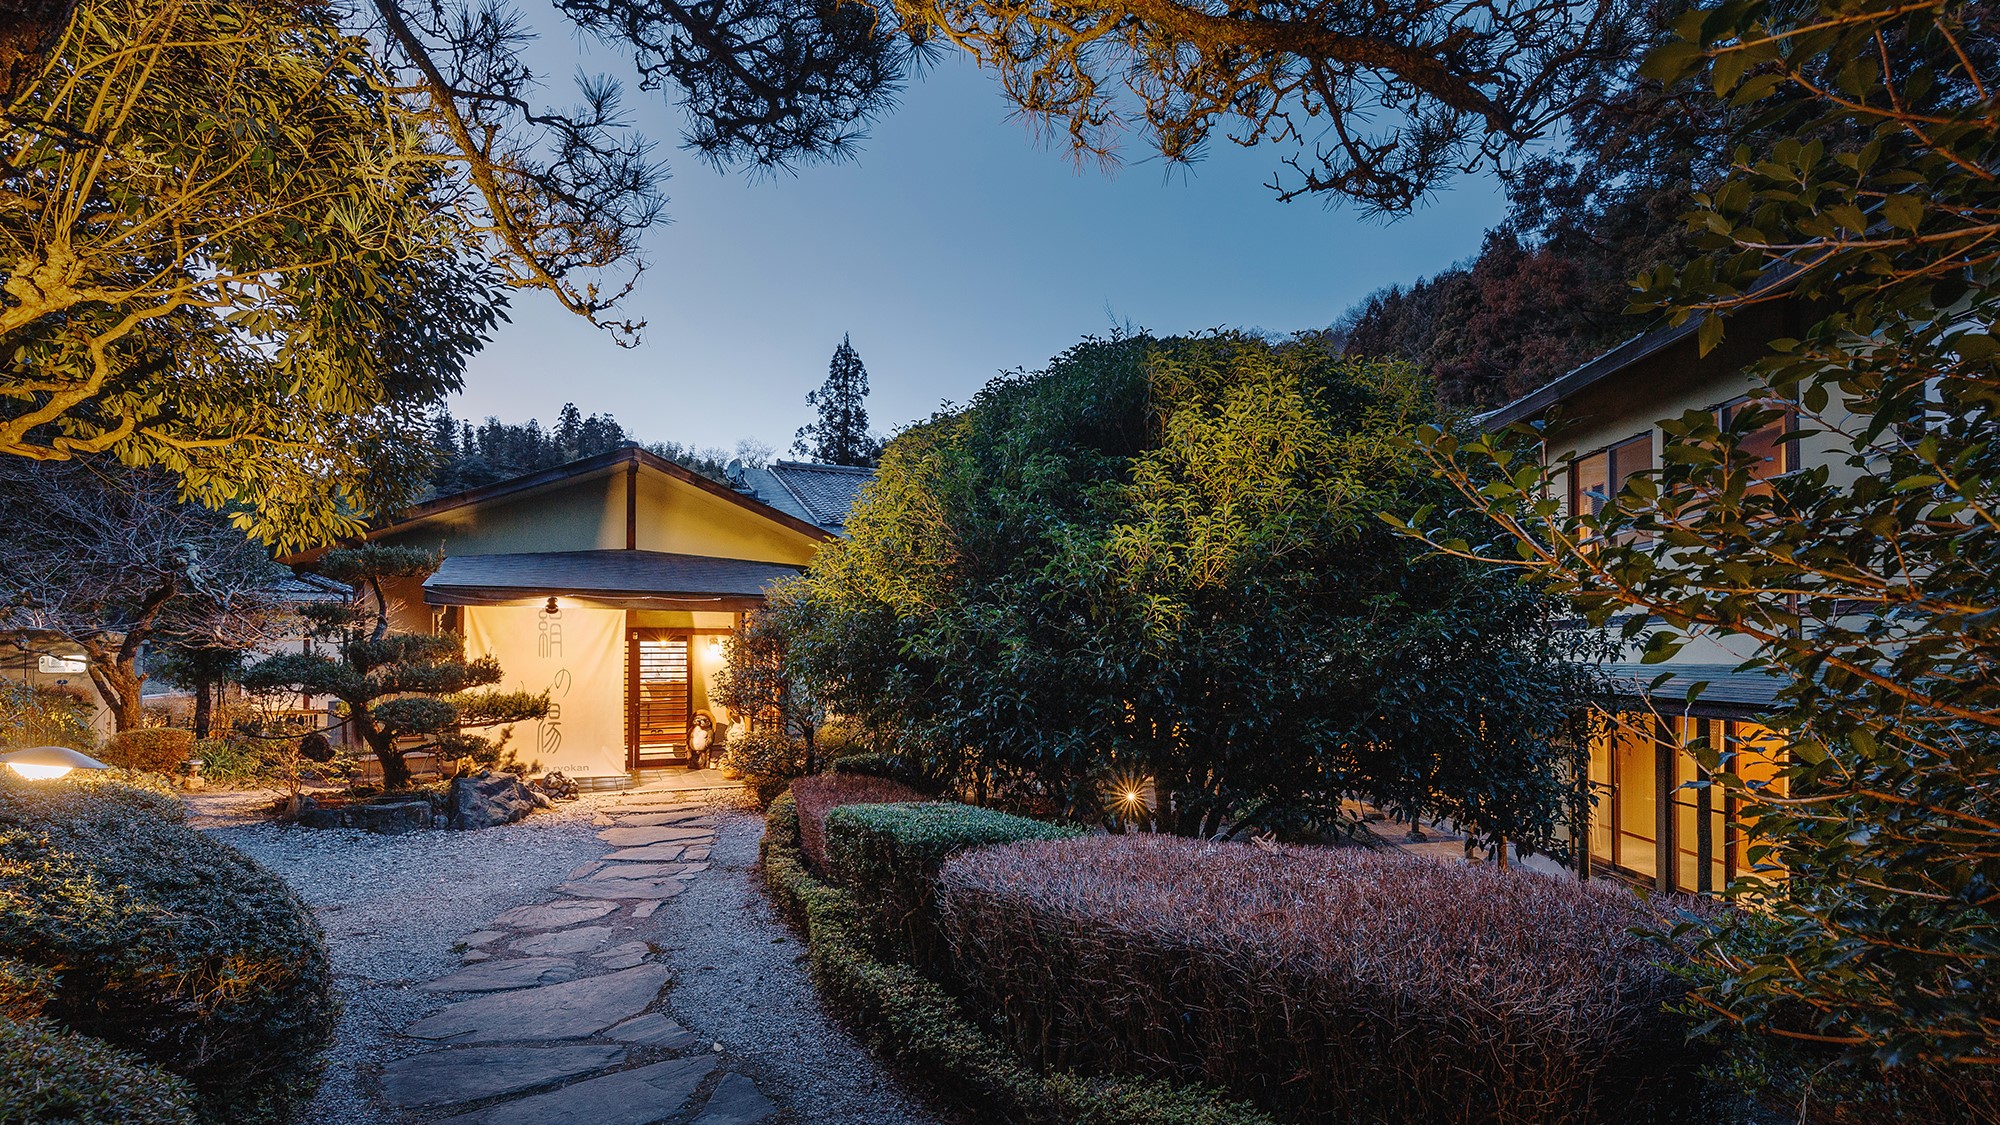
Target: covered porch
{"type": "Point", "coordinates": [627, 643]}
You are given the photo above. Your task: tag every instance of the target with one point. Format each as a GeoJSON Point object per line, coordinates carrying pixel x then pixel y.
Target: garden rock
{"type": "Point", "coordinates": [737, 1101]}
{"type": "Point", "coordinates": [640, 837]}
{"type": "Point", "coordinates": [394, 818]}
{"type": "Point", "coordinates": [388, 818]}
{"type": "Point", "coordinates": [652, 1030]}
{"type": "Point", "coordinates": [488, 800]}
{"type": "Point", "coordinates": [465, 1074]}
{"type": "Point", "coordinates": [653, 852]}
{"type": "Point", "coordinates": [559, 942]}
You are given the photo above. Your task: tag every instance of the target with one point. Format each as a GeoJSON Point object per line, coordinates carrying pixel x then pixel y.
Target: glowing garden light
{"type": "Point", "coordinates": [44, 763]}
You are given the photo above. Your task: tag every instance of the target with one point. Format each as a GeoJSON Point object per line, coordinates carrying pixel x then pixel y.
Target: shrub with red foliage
{"type": "Point", "coordinates": [822, 793]}
{"type": "Point", "coordinates": [1323, 984]}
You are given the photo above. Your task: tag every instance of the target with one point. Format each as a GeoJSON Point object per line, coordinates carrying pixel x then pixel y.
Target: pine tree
{"type": "Point", "coordinates": [395, 684]}
{"type": "Point", "coordinates": [569, 430]}
{"type": "Point", "coordinates": [840, 437]}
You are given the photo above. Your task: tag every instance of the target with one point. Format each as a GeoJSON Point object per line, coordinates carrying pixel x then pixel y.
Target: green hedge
{"type": "Point", "coordinates": [916, 1021]}
{"type": "Point", "coordinates": [889, 855]}
{"type": "Point", "coordinates": [53, 1077]}
{"type": "Point", "coordinates": [166, 944]}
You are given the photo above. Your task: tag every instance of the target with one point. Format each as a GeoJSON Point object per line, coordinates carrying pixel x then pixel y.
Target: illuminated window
{"type": "Point", "coordinates": [1707, 834]}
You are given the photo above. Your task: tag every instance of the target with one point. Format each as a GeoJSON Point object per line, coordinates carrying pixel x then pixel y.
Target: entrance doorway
{"type": "Point", "coordinates": [661, 698]}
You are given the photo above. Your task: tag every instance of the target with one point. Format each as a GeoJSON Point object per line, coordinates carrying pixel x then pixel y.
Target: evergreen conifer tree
{"type": "Point", "coordinates": [840, 437]}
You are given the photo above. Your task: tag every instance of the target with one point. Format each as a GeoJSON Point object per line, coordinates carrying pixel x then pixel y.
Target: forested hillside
{"type": "Point", "coordinates": [1549, 286]}
{"type": "Point", "coordinates": [471, 455]}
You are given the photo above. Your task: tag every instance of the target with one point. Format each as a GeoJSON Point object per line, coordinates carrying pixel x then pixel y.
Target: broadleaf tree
{"type": "Point", "coordinates": [396, 685]}
{"type": "Point", "coordinates": [1161, 558]}
{"type": "Point", "coordinates": [1865, 583]}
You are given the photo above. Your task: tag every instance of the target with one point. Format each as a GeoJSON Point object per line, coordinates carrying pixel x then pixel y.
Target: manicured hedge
{"type": "Point", "coordinates": [166, 944]}
{"type": "Point", "coordinates": [150, 750]}
{"type": "Point", "coordinates": [889, 854]}
{"type": "Point", "coordinates": [53, 1077]}
{"type": "Point", "coordinates": [1325, 984]}
{"type": "Point", "coordinates": [822, 793]}
{"type": "Point", "coordinates": [916, 1022]}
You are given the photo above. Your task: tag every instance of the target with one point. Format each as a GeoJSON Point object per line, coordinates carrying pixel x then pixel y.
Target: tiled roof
{"type": "Point", "coordinates": [1729, 693]}
{"type": "Point", "coordinates": [609, 575]}
{"type": "Point", "coordinates": [819, 494]}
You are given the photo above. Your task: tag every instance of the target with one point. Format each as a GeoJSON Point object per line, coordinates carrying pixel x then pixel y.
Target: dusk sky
{"type": "Point", "coordinates": [953, 248]}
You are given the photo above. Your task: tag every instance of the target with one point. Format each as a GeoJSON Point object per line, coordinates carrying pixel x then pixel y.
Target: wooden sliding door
{"type": "Point", "coordinates": [661, 696]}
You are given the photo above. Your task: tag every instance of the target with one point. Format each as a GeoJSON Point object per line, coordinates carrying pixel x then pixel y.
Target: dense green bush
{"type": "Point", "coordinates": [45, 716]}
{"type": "Point", "coordinates": [1326, 984]}
{"type": "Point", "coordinates": [917, 1022]}
{"type": "Point", "coordinates": [889, 767]}
{"type": "Point", "coordinates": [166, 944]}
{"type": "Point", "coordinates": [229, 760]}
{"type": "Point", "coordinates": [816, 796]}
{"type": "Point", "coordinates": [163, 750]}
{"type": "Point", "coordinates": [767, 760]}
{"type": "Point", "coordinates": [49, 1076]}
{"type": "Point", "coordinates": [889, 855]}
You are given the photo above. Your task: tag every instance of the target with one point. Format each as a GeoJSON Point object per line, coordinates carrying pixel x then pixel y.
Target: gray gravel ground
{"type": "Point", "coordinates": [393, 907]}
{"type": "Point", "coordinates": [740, 979]}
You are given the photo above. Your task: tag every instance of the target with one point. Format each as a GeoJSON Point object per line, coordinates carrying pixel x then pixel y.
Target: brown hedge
{"type": "Point", "coordinates": [150, 749]}
{"type": "Point", "coordinates": [1323, 984]}
{"type": "Point", "coordinates": [822, 793]}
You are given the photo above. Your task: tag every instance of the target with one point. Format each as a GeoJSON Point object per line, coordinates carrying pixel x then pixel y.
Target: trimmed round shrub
{"type": "Point", "coordinates": [818, 795]}
{"type": "Point", "coordinates": [1324, 984]}
{"type": "Point", "coordinates": [150, 749]}
{"type": "Point", "coordinates": [54, 1077]}
{"type": "Point", "coordinates": [166, 944]}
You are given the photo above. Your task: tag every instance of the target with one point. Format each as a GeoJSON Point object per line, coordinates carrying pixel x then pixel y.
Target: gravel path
{"type": "Point", "coordinates": [393, 908]}
{"type": "Point", "coordinates": [397, 910]}
{"type": "Point", "coordinates": [740, 978]}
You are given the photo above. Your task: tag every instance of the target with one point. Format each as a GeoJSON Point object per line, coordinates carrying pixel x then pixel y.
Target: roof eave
{"type": "Point", "coordinates": [576, 470]}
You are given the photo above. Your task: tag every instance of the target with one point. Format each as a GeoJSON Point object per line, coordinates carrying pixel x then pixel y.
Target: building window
{"type": "Point", "coordinates": [1597, 477]}
{"type": "Point", "coordinates": [1771, 444]}
{"type": "Point", "coordinates": [1703, 843]}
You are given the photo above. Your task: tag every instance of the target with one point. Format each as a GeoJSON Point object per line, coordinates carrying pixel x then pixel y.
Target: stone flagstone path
{"type": "Point", "coordinates": [562, 1021]}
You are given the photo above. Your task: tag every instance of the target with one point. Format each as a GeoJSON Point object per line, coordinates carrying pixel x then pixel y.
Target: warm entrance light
{"type": "Point", "coordinates": [42, 763]}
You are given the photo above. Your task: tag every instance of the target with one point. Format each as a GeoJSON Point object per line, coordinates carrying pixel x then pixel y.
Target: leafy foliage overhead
{"type": "Point", "coordinates": [223, 258]}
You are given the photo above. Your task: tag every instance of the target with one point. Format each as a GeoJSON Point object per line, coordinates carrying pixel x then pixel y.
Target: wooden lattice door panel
{"type": "Point", "coordinates": [661, 696]}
